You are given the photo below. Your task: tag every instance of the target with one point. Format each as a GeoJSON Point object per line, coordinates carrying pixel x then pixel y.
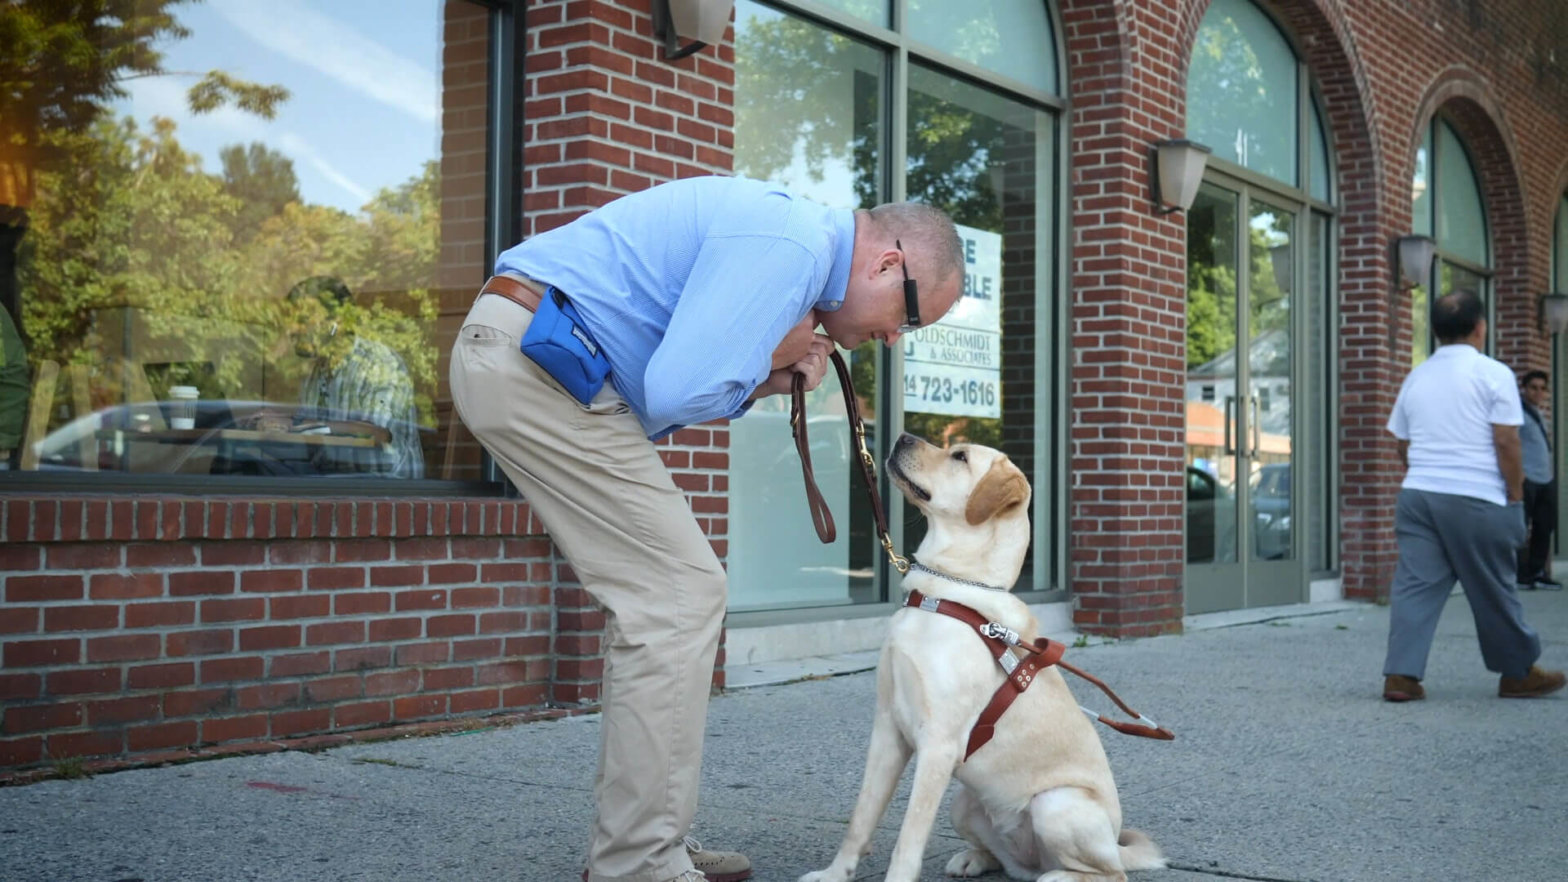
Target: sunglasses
{"type": "Point", "coordinates": [911, 296]}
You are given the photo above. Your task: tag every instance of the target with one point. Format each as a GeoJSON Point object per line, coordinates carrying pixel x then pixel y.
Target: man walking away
{"type": "Point", "coordinates": [1459, 513]}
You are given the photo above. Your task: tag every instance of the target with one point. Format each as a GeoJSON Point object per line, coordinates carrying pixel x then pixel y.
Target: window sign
{"type": "Point", "coordinates": [954, 367]}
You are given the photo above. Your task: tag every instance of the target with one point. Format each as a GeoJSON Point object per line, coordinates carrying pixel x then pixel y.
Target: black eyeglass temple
{"type": "Point", "coordinates": [911, 290]}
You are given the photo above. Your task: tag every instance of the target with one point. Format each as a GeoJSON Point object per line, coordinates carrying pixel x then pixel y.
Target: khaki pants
{"type": "Point", "coordinates": [600, 488]}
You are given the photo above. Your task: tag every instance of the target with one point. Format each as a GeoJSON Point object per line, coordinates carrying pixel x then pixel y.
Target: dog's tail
{"type": "Point", "coordinates": [1139, 852]}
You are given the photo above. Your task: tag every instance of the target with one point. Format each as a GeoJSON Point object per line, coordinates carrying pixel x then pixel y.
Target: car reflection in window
{"type": "Point", "coordinates": [1271, 511]}
{"type": "Point", "coordinates": [229, 438]}
{"type": "Point", "coordinates": [1211, 519]}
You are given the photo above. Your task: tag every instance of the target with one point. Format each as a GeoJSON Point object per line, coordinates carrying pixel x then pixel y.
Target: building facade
{"type": "Point", "coordinates": [237, 507]}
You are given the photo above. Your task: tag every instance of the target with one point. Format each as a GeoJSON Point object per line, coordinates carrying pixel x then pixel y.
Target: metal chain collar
{"type": "Point", "coordinates": [917, 565]}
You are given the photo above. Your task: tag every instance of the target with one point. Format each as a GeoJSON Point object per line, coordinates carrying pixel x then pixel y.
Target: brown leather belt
{"type": "Point", "coordinates": [524, 294]}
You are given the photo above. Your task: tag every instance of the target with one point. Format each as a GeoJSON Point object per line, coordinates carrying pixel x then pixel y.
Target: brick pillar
{"type": "Point", "coordinates": [1128, 320]}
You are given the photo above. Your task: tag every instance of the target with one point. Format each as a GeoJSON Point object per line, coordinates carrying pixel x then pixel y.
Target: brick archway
{"type": "Point", "coordinates": [1468, 104]}
{"type": "Point", "coordinates": [1129, 66]}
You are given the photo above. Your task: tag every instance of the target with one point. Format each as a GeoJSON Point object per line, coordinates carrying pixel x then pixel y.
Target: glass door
{"type": "Point", "coordinates": [1241, 519]}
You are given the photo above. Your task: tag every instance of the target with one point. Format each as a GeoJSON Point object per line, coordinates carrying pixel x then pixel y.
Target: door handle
{"type": "Point", "coordinates": [1257, 429]}
{"type": "Point", "coordinates": [1230, 418]}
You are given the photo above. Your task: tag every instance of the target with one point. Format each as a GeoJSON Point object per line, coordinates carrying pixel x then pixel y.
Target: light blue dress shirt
{"type": "Point", "coordinates": [690, 286]}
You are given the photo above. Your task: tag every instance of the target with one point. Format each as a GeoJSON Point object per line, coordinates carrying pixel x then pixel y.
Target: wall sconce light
{"type": "Point", "coordinates": [1553, 312]}
{"type": "Point", "coordinates": [1413, 262]}
{"type": "Point", "coordinates": [704, 21]}
{"type": "Point", "coordinates": [1178, 171]}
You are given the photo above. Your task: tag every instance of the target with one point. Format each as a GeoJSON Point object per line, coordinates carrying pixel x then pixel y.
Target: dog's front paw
{"type": "Point", "coordinates": [829, 875]}
{"type": "Point", "coordinates": [972, 862]}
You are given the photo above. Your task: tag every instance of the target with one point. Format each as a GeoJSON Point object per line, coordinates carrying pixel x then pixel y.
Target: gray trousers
{"type": "Point", "coordinates": [1443, 537]}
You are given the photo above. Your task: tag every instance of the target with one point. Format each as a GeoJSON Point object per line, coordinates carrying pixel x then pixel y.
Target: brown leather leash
{"type": "Point", "coordinates": [821, 517]}
{"type": "Point", "coordinates": [1000, 640]}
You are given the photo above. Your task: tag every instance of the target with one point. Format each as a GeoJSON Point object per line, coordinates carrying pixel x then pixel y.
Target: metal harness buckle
{"type": "Point", "coordinates": [999, 632]}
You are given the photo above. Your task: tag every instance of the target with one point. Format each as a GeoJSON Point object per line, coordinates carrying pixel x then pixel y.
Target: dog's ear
{"type": "Point", "coordinates": [1003, 487]}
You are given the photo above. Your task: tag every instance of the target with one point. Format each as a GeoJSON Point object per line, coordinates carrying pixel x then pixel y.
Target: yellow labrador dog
{"type": "Point", "coordinates": [1037, 800]}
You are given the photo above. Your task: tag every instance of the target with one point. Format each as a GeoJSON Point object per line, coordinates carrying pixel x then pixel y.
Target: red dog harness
{"type": "Point", "coordinates": [1002, 642]}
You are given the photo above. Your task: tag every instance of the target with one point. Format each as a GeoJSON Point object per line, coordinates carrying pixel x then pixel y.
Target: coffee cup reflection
{"type": "Point", "coordinates": [182, 409]}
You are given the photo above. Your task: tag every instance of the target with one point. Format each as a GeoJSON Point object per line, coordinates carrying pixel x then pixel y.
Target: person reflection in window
{"type": "Point", "coordinates": [354, 379]}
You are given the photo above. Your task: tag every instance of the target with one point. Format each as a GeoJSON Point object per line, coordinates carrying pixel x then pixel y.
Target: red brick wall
{"type": "Point", "coordinates": [606, 115]}
{"type": "Point", "coordinates": [134, 626]}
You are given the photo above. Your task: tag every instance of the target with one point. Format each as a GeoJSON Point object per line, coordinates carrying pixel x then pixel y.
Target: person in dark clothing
{"type": "Point", "coordinates": [1540, 487]}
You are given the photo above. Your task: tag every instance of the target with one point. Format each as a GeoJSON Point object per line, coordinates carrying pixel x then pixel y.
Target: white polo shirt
{"type": "Point", "coordinates": [1446, 410]}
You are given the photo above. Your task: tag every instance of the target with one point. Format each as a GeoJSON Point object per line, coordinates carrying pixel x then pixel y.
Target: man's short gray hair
{"type": "Point", "coordinates": [927, 233]}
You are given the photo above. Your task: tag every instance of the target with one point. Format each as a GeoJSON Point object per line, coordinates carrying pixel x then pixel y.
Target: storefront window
{"type": "Point", "coordinates": [971, 377]}
{"type": "Point", "coordinates": [1461, 219]}
{"type": "Point", "coordinates": [873, 11]}
{"type": "Point", "coordinates": [809, 114]}
{"type": "Point", "coordinates": [1321, 185]}
{"type": "Point", "coordinates": [1446, 204]}
{"type": "Point", "coordinates": [812, 112]}
{"type": "Point", "coordinates": [1241, 90]}
{"type": "Point", "coordinates": [1011, 38]}
{"type": "Point", "coordinates": [238, 233]}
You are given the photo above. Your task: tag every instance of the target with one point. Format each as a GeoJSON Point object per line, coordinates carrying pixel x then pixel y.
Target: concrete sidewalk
{"type": "Point", "coordinates": [1287, 766]}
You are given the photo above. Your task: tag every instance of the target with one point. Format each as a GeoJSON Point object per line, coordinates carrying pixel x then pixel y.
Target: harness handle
{"type": "Point", "coordinates": [1144, 728]}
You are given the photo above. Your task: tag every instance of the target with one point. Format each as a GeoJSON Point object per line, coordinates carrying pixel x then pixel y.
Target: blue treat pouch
{"type": "Point", "coordinates": [558, 341]}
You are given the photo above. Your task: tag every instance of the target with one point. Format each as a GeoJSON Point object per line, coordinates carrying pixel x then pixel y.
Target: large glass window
{"type": "Point", "coordinates": [971, 377]}
{"type": "Point", "coordinates": [1241, 90]}
{"type": "Point", "coordinates": [812, 112]}
{"type": "Point", "coordinates": [240, 235]}
{"type": "Point", "coordinates": [1011, 38]}
{"type": "Point", "coordinates": [1446, 204]}
{"type": "Point", "coordinates": [809, 114]}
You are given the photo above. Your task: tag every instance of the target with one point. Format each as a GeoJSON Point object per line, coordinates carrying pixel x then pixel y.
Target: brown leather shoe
{"type": "Point", "coordinates": [1532, 685]}
{"type": "Point", "coordinates": [1398, 687]}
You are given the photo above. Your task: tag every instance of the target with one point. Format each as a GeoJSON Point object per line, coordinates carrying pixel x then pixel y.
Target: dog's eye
{"type": "Point", "coordinates": [960, 456]}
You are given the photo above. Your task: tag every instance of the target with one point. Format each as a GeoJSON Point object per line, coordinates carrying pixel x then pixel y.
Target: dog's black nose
{"type": "Point", "coordinates": [905, 440]}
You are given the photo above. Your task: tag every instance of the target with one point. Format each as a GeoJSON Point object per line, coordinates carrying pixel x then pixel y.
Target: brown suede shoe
{"type": "Point", "coordinates": [712, 866]}
{"type": "Point", "coordinates": [718, 866]}
{"type": "Point", "coordinates": [1532, 685]}
{"type": "Point", "coordinates": [1398, 687]}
